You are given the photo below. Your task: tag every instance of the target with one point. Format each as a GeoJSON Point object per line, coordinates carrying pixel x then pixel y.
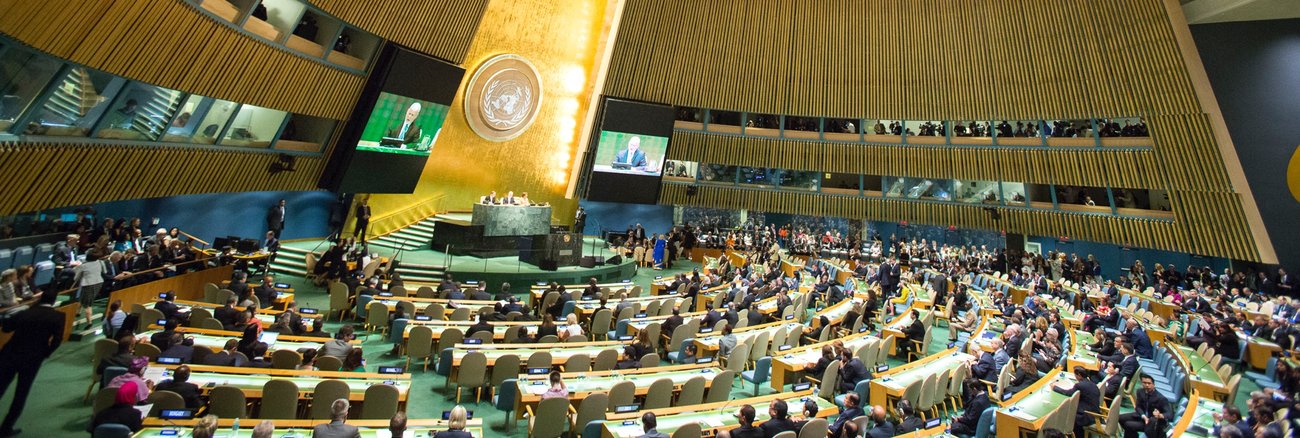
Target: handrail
{"type": "Point", "coordinates": [191, 237]}
{"type": "Point", "coordinates": [394, 220]}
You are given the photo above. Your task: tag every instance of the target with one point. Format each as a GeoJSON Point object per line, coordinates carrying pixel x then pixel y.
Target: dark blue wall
{"type": "Point", "coordinates": [229, 214]}
{"type": "Point", "coordinates": [614, 216]}
{"type": "Point", "coordinates": [1254, 68]}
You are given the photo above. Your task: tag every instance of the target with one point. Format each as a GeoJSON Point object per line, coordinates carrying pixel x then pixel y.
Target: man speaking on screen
{"type": "Point", "coordinates": [632, 157]}
{"type": "Point", "coordinates": [408, 132]}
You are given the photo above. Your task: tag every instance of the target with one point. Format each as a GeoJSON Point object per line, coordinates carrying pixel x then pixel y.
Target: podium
{"type": "Point", "coordinates": [512, 220]}
{"type": "Point", "coordinates": [507, 230]}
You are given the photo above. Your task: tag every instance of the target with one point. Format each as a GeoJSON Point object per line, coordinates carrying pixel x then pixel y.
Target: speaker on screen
{"type": "Point", "coordinates": [631, 143]}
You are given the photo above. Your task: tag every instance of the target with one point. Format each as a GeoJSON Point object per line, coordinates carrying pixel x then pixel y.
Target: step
{"type": "Point", "coordinates": [393, 245]}
{"type": "Point", "coordinates": [290, 271]}
{"type": "Point", "coordinates": [438, 268]}
{"type": "Point", "coordinates": [292, 250]}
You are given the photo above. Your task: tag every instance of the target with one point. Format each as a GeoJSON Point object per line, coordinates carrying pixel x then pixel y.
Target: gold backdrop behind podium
{"type": "Point", "coordinates": [561, 40]}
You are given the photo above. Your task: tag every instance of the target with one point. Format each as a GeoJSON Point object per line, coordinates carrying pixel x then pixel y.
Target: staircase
{"type": "Point", "coordinates": [415, 237]}
{"type": "Point", "coordinates": [412, 237]}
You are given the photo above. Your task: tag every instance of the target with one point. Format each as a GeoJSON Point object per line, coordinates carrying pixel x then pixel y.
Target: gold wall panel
{"type": "Point", "coordinates": [48, 175]}
{"type": "Point", "coordinates": [172, 44]}
{"type": "Point", "coordinates": [560, 39]}
{"type": "Point", "coordinates": [442, 28]}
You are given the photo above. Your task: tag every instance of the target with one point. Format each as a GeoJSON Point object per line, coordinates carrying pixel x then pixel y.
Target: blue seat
{"type": "Point", "coordinates": [863, 389]}
{"type": "Point", "coordinates": [443, 367]}
{"type": "Point", "coordinates": [986, 426]}
{"type": "Point", "coordinates": [111, 430]}
{"type": "Point", "coordinates": [759, 375]}
{"type": "Point", "coordinates": [620, 328]}
{"type": "Point", "coordinates": [399, 329]}
{"type": "Point", "coordinates": [44, 273]}
{"type": "Point", "coordinates": [593, 429]}
{"type": "Point", "coordinates": [23, 255]}
{"type": "Point", "coordinates": [111, 373]}
{"type": "Point", "coordinates": [505, 399]}
{"type": "Point", "coordinates": [362, 302]}
{"type": "Point", "coordinates": [43, 252]}
{"type": "Point", "coordinates": [568, 307]}
{"type": "Point", "coordinates": [676, 356]}
{"type": "Point", "coordinates": [6, 258]}
{"type": "Point", "coordinates": [1267, 379]}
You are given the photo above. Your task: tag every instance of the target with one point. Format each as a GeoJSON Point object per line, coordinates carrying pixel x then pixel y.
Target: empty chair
{"type": "Point", "coordinates": [600, 323]}
{"type": "Point", "coordinates": [622, 394]}
{"type": "Point", "coordinates": [449, 338]}
{"type": "Point", "coordinates": [426, 292]}
{"type": "Point", "coordinates": [577, 363]}
{"type": "Point", "coordinates": [460, 314]}
{"type": "Point", "coordinates": [339, 301]}
{"type": "Point", "coordinates": [650, 360]}
{"type": "Point", "coordinates": [228, 402]}
{"type": "Point", "coordinates": [111, 430]}
{"type": "Point", "coordinates": [324, 395]}
{"type": "Point", "coordinates": [279, 400]}
{"type": "Point", "coordinates": [483, 337]}
{"type": "Point", "coordinates": [605, 360]}
{"type": "Point", "coordinates": [472, 374]}
{"type": "Point", "coordinates": [377, 317]}
{"type": "Point", "coordinates": [381, 402]}
{"type": "Point", "coordinates": [397, 290]}
{"type": "Point", "coordinates": [591, 408]}
{"type": "Point", "coordinates": [328, 363]}
{"type": "Point", "coordinates": [692, 391]}
{"type": "Point", "coordinates": [688, 430]}
{"type": "Point", "coordinates": [164, 400]}
{"type": "Point", "coordinates": [148, 350]}
{"type": "Point", "coordinates": [505, 368]}
{"type": "Point", "coordinates": [759, 375]}
{"type": "Point", "coordinates": [419, 346]}
{"type": "Point", "coordinates": [815, 428]}
{"type": "Point", "coordinates": [540, 359]}
{"type": "Point", "coordinates": [720, 387]}
{"type": "Point", "coordinates": [660, 394]}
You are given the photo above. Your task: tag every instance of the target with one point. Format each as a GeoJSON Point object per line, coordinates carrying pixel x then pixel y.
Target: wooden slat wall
{"type": "Point", "coordinates": [442, 28]}
{"type": "Point", "coordinates": [39, 176]}
{"type": "Point", "coordinates": [949, 60]}
{"type": "Point", "coordinates": [171, 44]}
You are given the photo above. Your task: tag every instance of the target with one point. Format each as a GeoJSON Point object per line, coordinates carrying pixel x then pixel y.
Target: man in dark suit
{"type": "Point", "coordinates": [363, 219]}
{"type": "Point", "coordinates": [481, 326]}
{"type": "Point", "coordinates": [914, 332]}
{"type": "Point", "coordinates": [851, 411]}
{"type": "Point", "coordinates": [778, 419]}
{"type": "Point", "coordinates": [673, 321]}
{"type": "Point", "coordinates": [886, 278]}
{"type": "Point", "coordinates": [1150, 412]}
{"type": "Point", "coordinates": [909, 422]}
{"type": "Point", "coordinates": [1138, 336]}
{"type": "Point", "coordinates": [478, 294]}
{"type": "Point", "coordinates": [227, 315]}
{"type": "Point", "coordinates": [167, 305]}
{"type": "Point", "coordinates": [977, 401]}
{"type": "Point", "coordinates": [275, 218]}
{"type": "Point", "coordinates": [883, 428]}
{"type": "Point", "coordinates": [163, 339]}
{"type": "Point", "coordinates": [986, 368]}
{"type": "Point", "coordinates": [1089, 398]}
{"type": "Point", "coordinates": [408, 131]}
{"type": "Point", "coordinates": [266, 292]}
{"type": "Point", "coordinates": [37, 332]}
{"type": "Point", "coordinates": [632, 156]}
{"type": "Point", "coordinates": [1126, 368]}
{"type": "Point", "coordinates": [852, 371]}
{"type": "Point", "coordinates": [179, 384]}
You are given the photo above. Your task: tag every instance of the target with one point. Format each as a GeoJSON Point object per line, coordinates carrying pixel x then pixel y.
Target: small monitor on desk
{"type": "Point", "coordinates": [308, 311]}
{"type": "Point", "coordinates": [390, 370]}
{"type": "Point", "coordinates": [282, 285]}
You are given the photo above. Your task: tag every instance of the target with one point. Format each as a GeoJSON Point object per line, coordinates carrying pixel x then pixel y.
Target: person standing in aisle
{"type": "Point", "coordinates": [38, 331]}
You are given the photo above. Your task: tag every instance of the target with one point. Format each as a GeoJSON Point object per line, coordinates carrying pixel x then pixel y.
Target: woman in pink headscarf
{"type": "Point", "coordinates": [123, 410]}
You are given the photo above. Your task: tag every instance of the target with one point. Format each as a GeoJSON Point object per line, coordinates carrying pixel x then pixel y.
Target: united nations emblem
{"type": "Point", "coordinates": [503, 97]}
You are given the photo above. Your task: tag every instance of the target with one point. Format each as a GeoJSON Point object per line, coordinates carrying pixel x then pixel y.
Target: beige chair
{"type": "Point", "coordinates": [324, 394]}
{"type": "Point", "coordinates": [542, 421]}
{"type": "Point", "coordinates": [210, 324]}
{"type": "Point", "coordinates": [578, 363]}
{"type": "Point", "coordinates": [605, 360]}
{"type": "Point", "coordinates": [228, 402]}
{"type": "Point", "coordinates": [650, 360]}
{"type": "Point", "coordinates": [688, 430]}
{"type": "Point", "coordinates": [828, 380]}
{"type": "Point", "coordinates": [339, 301]}
{"type": "Point", "coordinates": [622, 393]}
{"type": "Point", "coordinates": [460, 314]}
{"type": "Point", "coordinates": [505, 368]}
{"type": "Point", "coordinates": [591, 408]}
{"type": "Point", "coordinates": [600, 324]}
{"type": "Point", "coordinates": [720, 387]}
{"type": "Point", "coordinates": [540, 359]}
{"type": "Point", "coordinates": [104, 399]}
{"type": "Point", "coordinates": [484, 337]}
{"type": "Point", "coordinates": [279, 400]}
{"type": "Point", "coordinates": [692, 392]}
{"type": "Point", "coordinates": [436, 311]}
{"type": "Point", "coordinates": [150, 351]}
{"type": "Point", "coordinates": [286, 359]}
{"type": "Point", "coordinates": [660, 394]}
{"type": "Point", "coordinates": [926, 399]}
{"type": "Point", "coordinates": [381, 402]}
{"type": "Point", "coordinates": [419, 346]}
{"type": "Point", "coordinates": [737, 359]}
{"type": "Point", "coordinates": [471, 374]}
{"type": "Point", "coordinates": [164, 400]}
{"type": "Point", "coordinates": [426, 292]}
{"type": "Point", "coordinates": [815, 428]}
{"type": "Point", "coordinates": [211, 294]}
{"type": "Point", "coordinates": [377, 317]}
{"type": "Point", "coordinates": [328, 363]}
{"type": "Point", "coordinates": [449, 338]}
{"type": "Point", "coordinates": [103, 348]}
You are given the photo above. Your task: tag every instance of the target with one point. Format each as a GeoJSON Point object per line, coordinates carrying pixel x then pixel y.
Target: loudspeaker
{"type": "Point", "coordinates": [547, 265]}
{"type": "Point", "coordinates": [588, 262]}
{"type": "Point", "coordinates": [614, 260]}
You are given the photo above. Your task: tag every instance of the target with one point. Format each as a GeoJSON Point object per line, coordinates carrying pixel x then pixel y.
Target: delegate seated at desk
{"type": "Point", "coordinates": [407, 132]}
{"type": "Point", "coordinates": [630, 158]}
{"type": "Point", "coordinates": [508, 199]}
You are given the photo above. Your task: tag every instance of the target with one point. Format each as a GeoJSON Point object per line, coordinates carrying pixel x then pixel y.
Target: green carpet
{"type": "Point", "coordinates": [55, 405]}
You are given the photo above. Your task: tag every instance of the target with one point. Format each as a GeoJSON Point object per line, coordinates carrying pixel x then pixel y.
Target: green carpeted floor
{"type": "Point", "coordinates": [56, 407]}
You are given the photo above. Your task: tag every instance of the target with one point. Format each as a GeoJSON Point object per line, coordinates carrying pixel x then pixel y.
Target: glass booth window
{"type": "Point", "coordinates": [971, 128]}
{"type": "Point", "coordinates": [1014, 193]}
{"type": "Point", "coordinates": [794, 179]}
{"type": "Point", "coordinates": [305, 133]}
{"type": "Point", "coordinates": [841, 183]}
{"type": "Point", "coordinates": [763, 121]}
{"type": "Point", "coordinates": [795, 123]}
{"type": "Point", "coordinates": [77, 101]}
{"type": "Point", "coordinates": [977, 192]}
{"type": "Point", "coordinates": [1071, 128]}
{"type": "Point", "coordinates": [718, 173]}
{"type": "Point", "coordinates": [757, 176]}
{"type": "Point", "coordinates": [254, 127]}
{"type": "Point", "coordinates": [719, 117]}
{"type": "Point", "coordinates": [213, 113]}
{"type": "Point", "coordinates": [141, 112]}
{"type": "Point", "coordinates": [680, 170]}
{"type": "Point", "coordinates": [918, 188]}
{"type": "Point", "coordinates": [23, 75]}
{"type": "Point", "coordinates": [841, 126]}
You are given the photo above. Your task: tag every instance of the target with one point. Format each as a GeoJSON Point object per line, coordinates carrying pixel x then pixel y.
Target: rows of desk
{"type": "Point", "coordinates": [711, 417]}
{"type": "Point", "coordinates": [251, 380]}
{"type": "Point", "coordinates": [158, 428]}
